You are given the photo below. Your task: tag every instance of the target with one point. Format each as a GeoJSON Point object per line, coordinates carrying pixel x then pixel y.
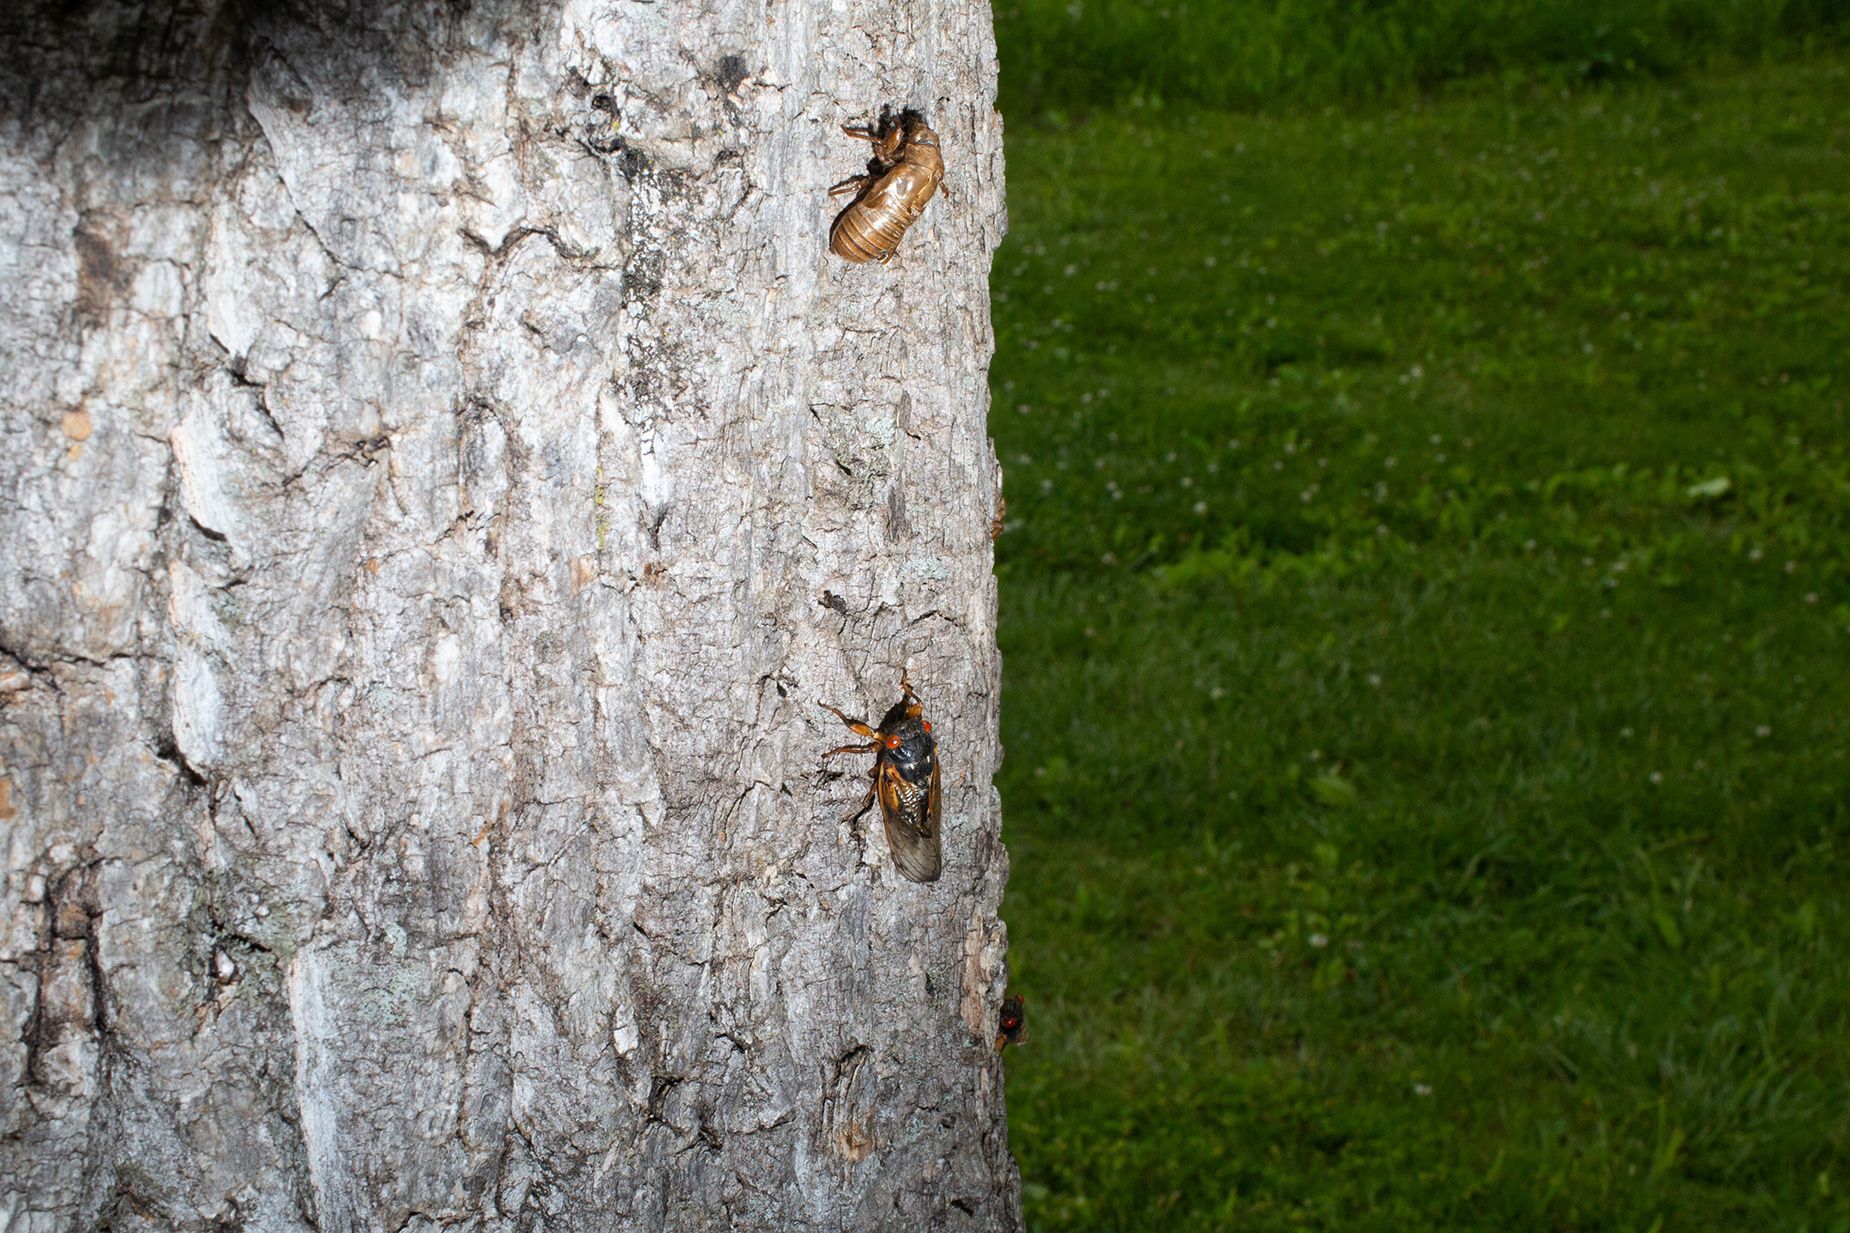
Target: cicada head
{"type": "Point", "coordinates": [920, 148]}
{"type": "Point", "coordinates": [906, 735]}
{"type": "Point", "coordinates": [918, 133]}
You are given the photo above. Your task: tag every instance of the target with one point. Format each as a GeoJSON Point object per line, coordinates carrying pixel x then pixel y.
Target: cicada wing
{"type": "Point", "coordinates": [934, 812]}
{"type": "Point", "coordinates": [911, 815]}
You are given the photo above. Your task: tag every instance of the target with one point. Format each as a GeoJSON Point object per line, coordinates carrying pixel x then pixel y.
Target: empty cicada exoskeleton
{"type": "Point", "coordinates": [906, 170]}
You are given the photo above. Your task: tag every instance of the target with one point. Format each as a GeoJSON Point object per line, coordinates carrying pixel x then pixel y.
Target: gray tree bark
{"type": "Point", "coordinates": [441, 474]}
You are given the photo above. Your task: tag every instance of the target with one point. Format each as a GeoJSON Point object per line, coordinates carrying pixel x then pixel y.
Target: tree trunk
{"type": "Point", "coordinates": [442, 473]}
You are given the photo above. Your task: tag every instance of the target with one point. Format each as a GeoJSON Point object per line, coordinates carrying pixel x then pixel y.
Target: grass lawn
{"type": "Point", "coordinates": [1067, 53]}
{"type": "Point", "coordinates": [1426, 620]}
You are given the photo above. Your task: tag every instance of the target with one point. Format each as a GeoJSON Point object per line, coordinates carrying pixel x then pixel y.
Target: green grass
{"type": "Point", "coordinates": [1087, 53]}
{"type": "Point", "coordinates": [1426, 620]}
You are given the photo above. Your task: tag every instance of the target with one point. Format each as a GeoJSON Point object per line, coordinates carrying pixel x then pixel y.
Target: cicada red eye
{"type": "Point", "coordinates": [892, 742]}
{"type": "Point", "coordinates": [925, 724]}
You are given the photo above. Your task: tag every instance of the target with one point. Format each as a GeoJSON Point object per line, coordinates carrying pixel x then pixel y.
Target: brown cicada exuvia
{"type": "Point", "coordinates": [906, 170]}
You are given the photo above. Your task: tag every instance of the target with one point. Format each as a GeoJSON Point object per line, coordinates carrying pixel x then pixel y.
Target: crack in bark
{"type": "Point", "coordinates": [71, 911]}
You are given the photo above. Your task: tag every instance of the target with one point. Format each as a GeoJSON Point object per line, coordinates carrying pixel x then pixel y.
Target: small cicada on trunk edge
{"type": "Point", "coordinates": [1011, 1024]}
{"type": "Point", "coordinates": [906, 783]}
{"type": "Point", "coordinates": [906, 170]}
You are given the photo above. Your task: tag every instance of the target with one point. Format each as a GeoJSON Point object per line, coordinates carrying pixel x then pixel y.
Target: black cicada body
{"type": "Point", "coordinates": [906, 783]}
{"type": "Point", "coordinates": [1012, 1023]}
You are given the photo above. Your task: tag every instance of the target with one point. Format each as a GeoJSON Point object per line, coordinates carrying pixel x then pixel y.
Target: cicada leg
{"type": "Point", "coordinates": [867, 802]}
{"type": "Point", "coordinates": [886, 143]}
{"type": "Point", "coordinates": [853, 184]}
{"type": "Point", "coordinates": [873, 746]}
{"type": "Point", "coordinates": [854, 725]}
{"type": "Point", "coordinates": [905, 685]}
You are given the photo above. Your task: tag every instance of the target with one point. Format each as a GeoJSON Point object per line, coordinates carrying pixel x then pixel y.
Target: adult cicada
{"type": "Point", "coordinates": [906, 170]}
{"type": "Point", "coordinates": [906, 783]}
{"type": "Point", "coordinates": [1012, 1022]}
